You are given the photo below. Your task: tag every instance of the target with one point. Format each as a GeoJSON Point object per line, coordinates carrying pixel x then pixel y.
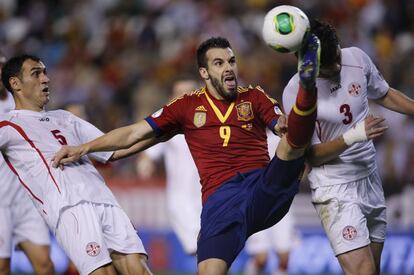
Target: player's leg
{"type": "Point", "coordinates": [129, 255]}
{"type": "Point", "coordinates": [79, 234]}
{"type": "Point", "coordinates": [256, 263]}
{"type": "Point", "coordinates": [375, 203]}
{"type": "Point", "coordinates": [358, 261]}
{"type": "Point", "coordinates": [212, 267]}
{"type": "Point", "coordinates": [376, 250]}
{"type": "Point", "coordinates": [301, 120]}
{"type": "Point", "coordinates": [353, 216]}
{"type": "Point", "coordinates": [31, 233]}
{"type": "Point", "coordinates": [257, 247]}
{"type": "Point", "coordinates": [216, 254]}
{"type": "Point", "coordinates": [130, 263]}
{"type": "Point", "coordinates": [39, 257]}
{"type": "Point", "coordinates": [284, 237]}
{"type": "Point", "coordinates": [345, 226]}
{"type": "Point", "coordinates": [106, 269]}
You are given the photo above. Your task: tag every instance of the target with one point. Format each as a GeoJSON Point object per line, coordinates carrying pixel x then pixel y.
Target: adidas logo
{"type": "Point", "coordinates": [201, 108]}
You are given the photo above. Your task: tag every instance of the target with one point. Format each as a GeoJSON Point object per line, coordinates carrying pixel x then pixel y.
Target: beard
{"type": "Point", "coordinates": [228, 94]}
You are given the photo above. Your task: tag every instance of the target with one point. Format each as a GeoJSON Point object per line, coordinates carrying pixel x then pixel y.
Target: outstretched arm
{"type": "Point", "coordinates": [397, 101]}
{"type": "Point", "coordinates": [140, 146]}
{"type": "Point", "coordinates": [118, 139]}
{"type": "Point", "coordinates": [368, 129]}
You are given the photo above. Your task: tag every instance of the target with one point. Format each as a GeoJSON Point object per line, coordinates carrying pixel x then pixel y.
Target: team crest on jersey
{"type": "Point", "coordinates": [354, 89]}
{"type": "Point", "coordinates": [199, 119]}
{"type": "Point", "coordinates": [93, 249]}
{"type": "Point", "coordinates": [349, 232]}
{"type": "Point", "coordinates": [244, 111]}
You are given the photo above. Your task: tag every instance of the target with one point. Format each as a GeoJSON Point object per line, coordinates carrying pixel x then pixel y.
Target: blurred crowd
{"type": "Point", "coordinates": [119, 58]}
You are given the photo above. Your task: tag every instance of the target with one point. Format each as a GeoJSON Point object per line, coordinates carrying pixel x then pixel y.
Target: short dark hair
{"type": "Point", "coordinates": [13, 68]}
{"type": "Point", "coordinates": [213, 42]}
{"type": "Point", "coordinates": [329, 40]}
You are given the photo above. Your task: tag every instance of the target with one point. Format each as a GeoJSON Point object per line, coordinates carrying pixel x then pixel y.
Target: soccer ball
{"type": "Point", "coordinates": [284, 28]}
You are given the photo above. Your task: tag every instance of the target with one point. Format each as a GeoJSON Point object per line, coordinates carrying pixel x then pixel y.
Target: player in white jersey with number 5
{"type": "Point", "coordinates": [346, 188]}
{"type": "Point", "coordinates": [76, 204]}
{"type": "Point", "coordinates": [20, 222]}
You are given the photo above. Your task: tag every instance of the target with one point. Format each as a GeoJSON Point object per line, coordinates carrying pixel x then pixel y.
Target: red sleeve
{"type": "Point", "coordinates": [168, 119]}
{"type": "Point", "coordinates": [267, 107]}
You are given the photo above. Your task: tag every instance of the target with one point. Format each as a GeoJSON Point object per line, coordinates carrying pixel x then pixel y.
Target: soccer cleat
{"type": "Point", "coordinates": [309, 61]}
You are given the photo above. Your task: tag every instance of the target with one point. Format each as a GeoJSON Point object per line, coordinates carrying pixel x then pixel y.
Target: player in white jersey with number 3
{"type": "Point", "coordinates": [76, 204]}
{"type": "Point", "coordinates": [346, 188]}
{"type": "Point", "coordinates": [20, 222]}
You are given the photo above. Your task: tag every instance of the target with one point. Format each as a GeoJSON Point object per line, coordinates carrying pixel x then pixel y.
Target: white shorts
{"type": "Point", "coordinates": [21, 222]}
{"type": "Point", "coordinates": [352, 214]}
{"type": "Point", "coordinates": [90, 232]}
{"type": "Point", "coordinates": [281, 237]}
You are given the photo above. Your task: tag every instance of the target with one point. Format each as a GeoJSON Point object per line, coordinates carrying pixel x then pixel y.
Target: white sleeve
{"type": "Point", "coordinates": [86, 132]}
{"type": "Point", "coordinates": [377, 87]}
{"type": "Point", "coordinates": [289, 94]}
{"type": "Point", "coordinates": [156, 152]}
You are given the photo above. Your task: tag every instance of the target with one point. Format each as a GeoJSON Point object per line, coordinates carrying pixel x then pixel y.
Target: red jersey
{"type": "Point", "coordinates": [224, 138]}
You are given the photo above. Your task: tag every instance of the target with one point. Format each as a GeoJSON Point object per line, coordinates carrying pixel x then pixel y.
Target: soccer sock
{"type": "Point", "coordinates": [301, 120]}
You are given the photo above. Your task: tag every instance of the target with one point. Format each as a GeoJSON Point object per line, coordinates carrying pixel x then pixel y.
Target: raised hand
{"type": "Point", "coordinates": [374, 126]}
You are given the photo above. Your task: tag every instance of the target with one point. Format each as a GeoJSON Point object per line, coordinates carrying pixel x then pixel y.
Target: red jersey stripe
{"type": "Point", "coordinates": [21, 181]}
{"type": "Point", "coordinates": [24, 135]}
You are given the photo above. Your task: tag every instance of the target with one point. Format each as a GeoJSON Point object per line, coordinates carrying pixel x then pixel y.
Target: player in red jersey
{"type": "Point", "coordinates": [224, 126]}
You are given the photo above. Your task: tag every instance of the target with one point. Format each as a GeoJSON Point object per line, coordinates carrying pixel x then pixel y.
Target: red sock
{"type": "Point", "coordinates": [301, 120]}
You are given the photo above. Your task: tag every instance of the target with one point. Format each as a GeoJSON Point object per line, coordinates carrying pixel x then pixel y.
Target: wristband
{"type": "Point", "coordinates": [356, 134]}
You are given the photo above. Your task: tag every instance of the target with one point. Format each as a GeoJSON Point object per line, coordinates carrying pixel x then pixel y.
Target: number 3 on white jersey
{"type": "Point", "coordinates": [346, 110]}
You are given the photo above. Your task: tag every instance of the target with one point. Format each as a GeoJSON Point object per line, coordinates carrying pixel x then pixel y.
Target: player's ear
{"type": "Point", "coordinates": [203, 73]}
{"type": "Point", "coordinates": [14, 82]}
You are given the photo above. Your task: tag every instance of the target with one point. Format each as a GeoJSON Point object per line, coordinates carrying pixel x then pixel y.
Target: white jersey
{"type": "Point", "coordinates": [9, 185]}
{"type": "Point", "coordinates": [340, 107]}
{"type": "Point", "coordinates": [183, 189]}
{"type": "Point", "coordinates": [30, 139]}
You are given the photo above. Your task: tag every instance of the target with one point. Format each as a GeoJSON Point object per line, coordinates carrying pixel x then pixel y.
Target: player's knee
{"type": "Point", "coordinates": [364, 268]}
{"type": "Point", "coordinates": [212, 267]}
{"type": "Point", "coordinates": [133, 266]}
{"type": "Point", "coordinates": [285, 151]}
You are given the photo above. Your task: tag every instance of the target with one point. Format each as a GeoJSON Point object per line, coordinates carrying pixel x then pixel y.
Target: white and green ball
{"type": "Point", "coordinates": [284, 28]}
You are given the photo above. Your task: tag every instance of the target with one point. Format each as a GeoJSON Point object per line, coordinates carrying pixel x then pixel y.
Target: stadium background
{"type": "Point", "coordinates": [118, 58]}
